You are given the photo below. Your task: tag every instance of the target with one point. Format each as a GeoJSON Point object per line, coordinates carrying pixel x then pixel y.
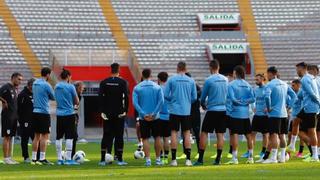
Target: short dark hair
{"type": "Point", "coordinates": [296, 81]}
{"type": "Point", "coordinates": [240, 71]}
{"type": "Point", "coordinates": [303, 65]}
{"type": "Point", "coordinates": [15, 74]}
{"type": "Point", "coordinates": [182, 66]}
{"type": "Point", "coordinates": [163, 76]}
{"type": "Point", "coordinates": [65, 73]}
{"type": "Point", "coordinates": [214, 64]}
{"type": "Point", "coordinates": [115, 68]}
{"type": "Point", "coordinates": [45, 71]}
{"type": "Point", "coordinates": [146, 73]}
{"type": "Point", "coordinates": [31, 81]}
{"type": "Point", "coordinates": [261, 75]}
{"type": "Point", "coordinates": [273, 70]}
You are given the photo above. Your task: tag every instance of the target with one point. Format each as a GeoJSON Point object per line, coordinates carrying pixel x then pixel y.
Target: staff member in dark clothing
{"type": "Point", "coordinates": [79, 88]}
{"type": "Point", "coordinates": [25, 111]}
{"type": "Point", "coordinates": [9, 115]}
{"type": "Point", "coordinates": [114, 102]}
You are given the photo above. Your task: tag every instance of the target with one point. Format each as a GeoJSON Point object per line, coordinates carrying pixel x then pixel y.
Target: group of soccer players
{"type": "Point", "coordinates": [30, 109]}
{"type": "Point", "coordinates": [168, 106]}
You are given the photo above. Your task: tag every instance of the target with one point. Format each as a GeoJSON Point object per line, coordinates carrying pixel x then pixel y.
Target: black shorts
{"type": "Point", "coordinates": [259, 124]}
{"type": "Point", "coordinates": [8, 127]}
{"type": "Point", "coordinates": [150, 128]}
{"type": "Point", "coordinates": [278, 125]}
{"type": "Point", "coordinates": [41, 123]}
{"type": "Point", "coordinates": [228, 118]}
{"type": "Point", "coordinates": [240, 126]}
{"type": "Point", "coordinates": [177, 120]}
{"type": "Point", "coordinates": [302, 127]}
{"type": "Point", "coordinates": [309, 120]}
{"type": "Point", "coordinates": [214, 121]}
{"type": "Point", "coordinates": [66, 126]}
{"type": "Point", "coordinates": [165, 130]}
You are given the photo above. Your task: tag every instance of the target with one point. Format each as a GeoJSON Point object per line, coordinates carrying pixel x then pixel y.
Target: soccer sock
{"type": "Point", "coordinates": [314, 152]}
{"type": "Point", "coordinates": [219, 152]}
{"type": "Point", "coordinates": [263, 150]}
{"type": "Point", "coordinates": [266, 155]}
{"type": "Point", "coordinates": [187, 152]}
{"type": "Point", "coordinates": [274, 153]}
{"type": "Point", "coordinates": [42, 156]}
{"type": "Point", "coordinates": [166, 153]}
{"type": "Point", "coordinates": [173, 153]}
{"type": "Point", "coordinates": [283, 153]}
{"type": "Point", "coordinates": [310, 149]}
{"type": "Point", "coordinates": [293, 141]}
{"type": "Point", "coordinates": [103, 155]}
{"type": "Point", "coordinates": [148, 159]}
{"type": "Point", "coordinates": [230, 150]}
{"type": "Point", "coordinates": [250, 153]}
{"type": "Point", "coordinates": [59, 148]}
{"type": "Point", "coordinates": [201, 153]}
{"type": "Point", "coordinates": [301, 149]}
{"type": "Point", "coordinates": [318, 150]}
{"type": "Point", "coordinates": [235, 155]}
{"type": "Point", "coordinates": [69, 148]}
{"type": "Point", "coordinates": [34, 155]}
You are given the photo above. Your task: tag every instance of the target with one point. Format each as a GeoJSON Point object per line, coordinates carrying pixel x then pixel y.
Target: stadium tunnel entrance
{"type": "Point", "coordinates": [230, 55]}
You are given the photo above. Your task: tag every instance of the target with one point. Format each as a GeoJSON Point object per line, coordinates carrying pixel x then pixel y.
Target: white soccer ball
{"type": "Point", "coordinates": [109, 158]}
{"type": "Point", "coordinates": [79, 156]}
{"type": "Point", "coordinates": [139, 154]}
{"type": "Point", "coordinates": [287, 156]}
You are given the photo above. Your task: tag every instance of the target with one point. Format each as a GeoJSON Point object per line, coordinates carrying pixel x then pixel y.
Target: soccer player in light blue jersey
{"type": "Point", "coordinates": [165, 131]}
{"type": "Point", "coordinates": [42, 93]}
{"type": "Point", "coordinates": [241, 95]}
{"type": "Point", "coordinates": [260, 118]}
{"type": "Point", "coordinates": [314, 70]}
{"type": "Point", "coordinates": [310, 104]}
{"type": "Point", "coordinates": [148, 100]}
{"type": "Point", "coordinates": [213, 99]}
{"type": "Point", "coordinates": [180, 92]}
{"type": "Point", "coordinates": [277, 95]}
{"type": "Point", "coordinates": [66, 98]}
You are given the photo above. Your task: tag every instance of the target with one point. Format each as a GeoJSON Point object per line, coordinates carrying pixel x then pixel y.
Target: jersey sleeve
{"type": "Point", "coordinates": [50, 92]}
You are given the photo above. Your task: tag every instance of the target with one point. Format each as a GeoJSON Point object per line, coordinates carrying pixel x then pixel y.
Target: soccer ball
{"type": "Point", "coordinates": [64, 155]}
{"type": "Point", "coordinates": [109, 158]}
{"type": "Point", "coordinates": [139, 154]}
{"type": "Point", "coordinates": [287, 156]}
{"type": "Point", "coordinates": [79, 156]}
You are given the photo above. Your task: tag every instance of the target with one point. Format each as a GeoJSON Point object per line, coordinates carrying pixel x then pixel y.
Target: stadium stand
{"type": "Point", "coordinates": [11, 59]}
{"type": "Point", "coordinates": [290, 33]}
{"type": "Point", "coordinates": [161, 33]}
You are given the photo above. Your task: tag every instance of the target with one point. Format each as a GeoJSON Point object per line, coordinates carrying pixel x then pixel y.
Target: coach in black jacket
{"type": "Point", "coordinates": [114, 101]}
{"type": "Point", "coordinates": [25, 109]}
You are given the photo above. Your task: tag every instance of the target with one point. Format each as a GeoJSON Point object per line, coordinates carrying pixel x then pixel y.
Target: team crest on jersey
{"type": "Point", "coordinates": [8, 131]}
{"type": "Point", "coordinates": [26, 124]}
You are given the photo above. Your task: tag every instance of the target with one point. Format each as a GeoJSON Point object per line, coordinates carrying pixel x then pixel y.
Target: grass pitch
{"type": "Point", "coordinates": [294, 169]}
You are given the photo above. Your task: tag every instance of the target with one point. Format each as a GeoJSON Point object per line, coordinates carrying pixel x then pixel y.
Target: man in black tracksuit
{"type": "Point", "coordinates": [25, 109]}
{"type": "Point", "coordinates": [114, 101]}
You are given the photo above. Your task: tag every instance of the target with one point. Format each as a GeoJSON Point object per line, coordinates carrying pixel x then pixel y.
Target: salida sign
{"type": "Point", "coordinates": [228, 48]}
{"type": "Point", "coordinates": [219, 18]}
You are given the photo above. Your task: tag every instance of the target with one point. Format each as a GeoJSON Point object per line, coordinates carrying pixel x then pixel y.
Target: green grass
{"type": "Point", "coordinates": [294, 169]}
